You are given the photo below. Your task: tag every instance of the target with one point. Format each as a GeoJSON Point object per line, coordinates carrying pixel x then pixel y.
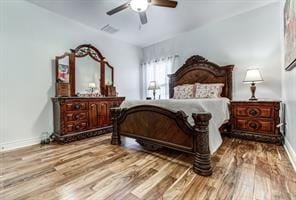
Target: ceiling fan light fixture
{"type": "Point", "coordinates": [139, 5]}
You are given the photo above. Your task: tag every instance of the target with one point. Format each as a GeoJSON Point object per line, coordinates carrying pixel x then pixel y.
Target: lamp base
{"type": "Point", "coordinates": [253, 99]}
{"type": "Point", "coordinates": [253, 90]}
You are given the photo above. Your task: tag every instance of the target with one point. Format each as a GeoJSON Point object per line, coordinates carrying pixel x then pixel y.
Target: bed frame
{"type": "Point", "coordinates": [155, 127]}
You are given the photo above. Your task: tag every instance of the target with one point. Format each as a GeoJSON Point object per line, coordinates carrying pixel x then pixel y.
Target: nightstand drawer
{"type": "Point", "coordinates": [253, 111]}
{"type": "Point", "coordinates": [264, 126]}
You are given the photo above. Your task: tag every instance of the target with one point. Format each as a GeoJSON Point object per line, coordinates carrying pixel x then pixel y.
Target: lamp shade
{"type": "Point", "coordinates": [153, 86]}
{"type": "Point", "coordinates": [91, 85]}
{"type": "Point", "coordinates": [253, 75]}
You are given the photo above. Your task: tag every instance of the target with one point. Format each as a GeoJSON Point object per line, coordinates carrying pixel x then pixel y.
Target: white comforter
{"type": "Point", "coordinates": [218, 107]}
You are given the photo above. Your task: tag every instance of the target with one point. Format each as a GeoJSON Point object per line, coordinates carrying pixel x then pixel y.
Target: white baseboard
{"type": "Point", "coordinates": [291, 153]}
{"type": "Point", "coordinates": [7, 146]}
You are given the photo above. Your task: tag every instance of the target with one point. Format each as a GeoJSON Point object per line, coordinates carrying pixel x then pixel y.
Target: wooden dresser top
{"type": "Point", "coordinates": [88, 98]}
{"type": "Point", "coordinates": [258, 101]}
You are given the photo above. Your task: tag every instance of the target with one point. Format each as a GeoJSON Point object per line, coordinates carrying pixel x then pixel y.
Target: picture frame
{"type": "Point", "coordinates": [291, 66]}
{"type": "Point", "coordinates": [63, 73]}
{"type": "Point", "coordinates": [290, 34]}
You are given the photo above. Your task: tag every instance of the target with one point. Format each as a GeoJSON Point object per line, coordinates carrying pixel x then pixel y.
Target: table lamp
{"type": "Point", "coordinates": [253, 76]}
{"type": "Point", "coordinates": [153, 86]}
{"type": "Point", "coordinates": [92, 86]}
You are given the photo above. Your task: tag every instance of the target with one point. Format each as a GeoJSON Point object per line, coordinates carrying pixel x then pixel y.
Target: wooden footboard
{"type": "Point", "coordinates": [152, 125]}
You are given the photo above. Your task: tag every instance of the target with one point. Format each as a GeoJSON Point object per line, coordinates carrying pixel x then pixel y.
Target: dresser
{"type": "Point", "coordinates": [85, 93]}
{"type": "Point", "coordinates": [256, 120]}
{"type": "Point", "coordinates": [80, 117]}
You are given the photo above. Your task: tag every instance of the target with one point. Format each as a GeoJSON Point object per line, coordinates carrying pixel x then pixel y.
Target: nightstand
{"type": "Point", "coordinates": [256, 120]}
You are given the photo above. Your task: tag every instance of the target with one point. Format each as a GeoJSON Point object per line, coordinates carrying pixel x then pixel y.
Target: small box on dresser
{"type": "Point", "coordinates": [256, 120]}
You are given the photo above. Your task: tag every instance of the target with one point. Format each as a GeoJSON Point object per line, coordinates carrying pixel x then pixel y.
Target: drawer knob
{"type": "Point", "coordinates": [253, 112]}
{"type": "Point", "coordinates": [253, 125]}
{"type": "Point", "coordinates": [77, 117]}
{"type": "Point", "coordinates": [77, 127]}
{"type": "Point", "coordinates": [77, 106]}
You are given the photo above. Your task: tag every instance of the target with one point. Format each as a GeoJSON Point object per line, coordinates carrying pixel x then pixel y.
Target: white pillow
{"type": "Point", "coordinates": [185, 91]}
{"type": "Point", "coordinates": [208, 90]}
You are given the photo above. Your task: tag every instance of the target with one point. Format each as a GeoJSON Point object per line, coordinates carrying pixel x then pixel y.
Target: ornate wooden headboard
{"type": "Point", "coordinates": [197, 69]}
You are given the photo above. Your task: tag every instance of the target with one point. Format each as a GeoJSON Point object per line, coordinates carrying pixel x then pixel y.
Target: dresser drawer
{"type": "Point", "coordinates": [75, 127]}
{"type": "Point", "coordinates": [75, 106]}
{"type": "Point", "coordinates": [253, 111]}
{"type": "Point", "coordinates": [75, 116]}
{"type": "Point", "coordinates": [264, 126]}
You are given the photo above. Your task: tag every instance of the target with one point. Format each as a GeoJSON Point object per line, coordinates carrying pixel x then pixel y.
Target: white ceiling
{"type": "Point", "coordinates": [163, 23]}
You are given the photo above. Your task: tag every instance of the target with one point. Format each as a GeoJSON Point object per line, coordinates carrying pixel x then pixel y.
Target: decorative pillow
{"type": "Point", "coordinates": [208, 90]}
{"type": "Point", "coordinates": [184, 91]}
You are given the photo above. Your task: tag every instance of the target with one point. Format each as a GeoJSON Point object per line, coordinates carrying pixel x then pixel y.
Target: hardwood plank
{"type": "Point", "coordinates": [157, 191]}
{"type": "Point", "coordinates": [122, 193]}
{"type": "Point", "coordinates": [144, 188]}
{"type": "Point", "coordinates": [94, 169]}
{"type": "Point", "coordinates": [245, 186]}
{"type": "Point", "coordinates": [144, 171]}
{"type": "Point", "coordinates": [176, 190]}
{"type": "Point", "coordinates": [220, 170]}
{"type": "Point", "coordinates": [262, 182]}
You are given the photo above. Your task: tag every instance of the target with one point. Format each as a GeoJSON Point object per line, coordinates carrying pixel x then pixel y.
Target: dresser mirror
{"type": "Point", "coordinates": [84, 71]}
{"type": "Point", "coordinates": [89, 67]}
{"type": "Point", "coordinates": [109, 77]}
{"type": "Point", "coordinates": [63, 68]}
{"type": "Point", "coordinates": [63, 75]}
{"type": "Point", "coordinates": [87, 75]}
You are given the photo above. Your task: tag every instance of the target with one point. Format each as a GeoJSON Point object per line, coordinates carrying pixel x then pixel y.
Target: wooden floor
{"type": "Point", "coordinates": [94, 169]}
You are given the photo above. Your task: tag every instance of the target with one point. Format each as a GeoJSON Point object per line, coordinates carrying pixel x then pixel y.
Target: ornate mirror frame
{"type": "Point", "coordinates": [79, 52]}
{"type": "Point", "coordinates": [88, 50]}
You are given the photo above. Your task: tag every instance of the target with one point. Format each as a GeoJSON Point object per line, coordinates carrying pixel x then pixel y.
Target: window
{"type": "Point", "coordinates": [157, 70]}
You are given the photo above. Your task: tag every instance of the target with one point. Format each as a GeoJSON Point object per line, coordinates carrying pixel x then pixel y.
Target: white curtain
{"type": "Point", "coordinates": [157, 70]}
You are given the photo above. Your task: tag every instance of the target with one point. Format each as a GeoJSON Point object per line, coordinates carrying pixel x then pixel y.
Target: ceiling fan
{"type": "Point", "coordinates": [140, 6]}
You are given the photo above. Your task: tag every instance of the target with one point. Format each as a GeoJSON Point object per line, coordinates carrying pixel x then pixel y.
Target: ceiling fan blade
{"type": "Point", "coordinates": [118, 9]}
{"type": "Point", "coordinates": [164, 3]}
{"type": "Point", "coordinates": [143, 17]}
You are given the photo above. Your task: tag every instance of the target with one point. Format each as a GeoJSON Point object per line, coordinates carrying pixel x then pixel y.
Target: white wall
{"type": "Point", "coordinates": [289, 89]}
{"type": "Point", "coordinates": [252, 38]}
{"type": "Point", "coordinates": [30, 38]}
{"type": "Point", "coordinates": [289, 98]}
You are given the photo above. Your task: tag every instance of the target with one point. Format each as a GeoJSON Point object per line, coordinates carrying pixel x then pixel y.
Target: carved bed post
{"type": "Point", "coordinates": [115, 138]}
{"type": "Point", "coordinates": [202, 157]}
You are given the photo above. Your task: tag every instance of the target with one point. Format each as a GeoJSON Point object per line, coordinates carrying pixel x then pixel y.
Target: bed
{"type": "Point", "coordinates": [156, 124]}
